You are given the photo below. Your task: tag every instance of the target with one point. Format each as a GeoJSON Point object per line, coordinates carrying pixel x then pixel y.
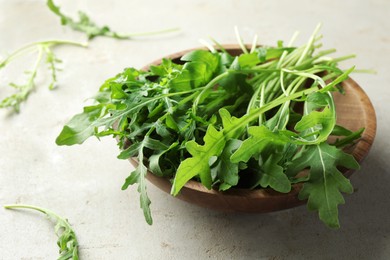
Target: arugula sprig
{"type": "Point", "coordinates": [67, 240]}
{"type": "Point", "coordinates": [92, 30]}
{"type": "Point", "coordinates": [230, 121]}
{"type": "Point", "coordinates": [46, 55]}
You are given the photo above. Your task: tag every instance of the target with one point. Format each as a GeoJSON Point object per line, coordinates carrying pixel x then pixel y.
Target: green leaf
{"type": "Point", "coordinates": [84, 24]}
{"type": "Point", "coordinates": [227, 171]}
{"type": "Point", "coordinates": [67, 240]}
{"type": "Point", "coordinates": [260, 137]}
{"type": "Point", "coordinates": [155, 160]}
{"type": "Point", "coordinates": [171, 124]}
{"type": "Point", "coordinates": [233, 126]}
{"type": "Point", "coordinates": [235, 82]}
{"type": "Point", "coordinates": [91, 29]}
{"type": "Point", "coordinates": [248, 60]}
{"type": "Point", "coordinates": [129, 152]}
{"type": "Point", "coordinates": [316, 126]}
{"type": "Point", "coordinates": [326, 182]}
{"type": "Point", "coordinates": [139, 176]}
{"type": "Point", "coordinates": [198, 164]}
{"type": "Point", "coordinates": [196, 72]}
{"type": "Point", "coordinates": [272, 175]}
{"type": "Point", "coordinates": [154, 144]}
{"type": "Point", "coordinates": [192, 75]}
{"type": "Point", "coordinates": [211, 60]}
{"type": "Point", "coordinates": [80, 127]}
{"type": "Point", "coordinates": [273, 53]}
{"type": "Point", "coordinates": [349, 138]}
{"type": "Point", "coordinates": [341, 131]}
{"type": "Point", "coordinates": [320, 123]}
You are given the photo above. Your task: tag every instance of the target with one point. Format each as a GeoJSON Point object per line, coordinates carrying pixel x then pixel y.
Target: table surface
{"type": "Point", "coordinates": [83, 182]}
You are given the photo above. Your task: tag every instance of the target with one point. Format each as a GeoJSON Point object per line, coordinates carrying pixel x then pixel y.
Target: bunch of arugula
{"type": "Point", "coordinates": [230, 121]}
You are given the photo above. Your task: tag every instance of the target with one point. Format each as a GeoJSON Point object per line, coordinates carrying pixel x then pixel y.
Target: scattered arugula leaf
{"type": "Point", "coordinates": [214, 117]}
{"type": "Point", "coordinates": [67, 240]}
{"type": "Point", "coordinates": [91, 29]}
{"type": "Point", "coordinates": [44, 50]}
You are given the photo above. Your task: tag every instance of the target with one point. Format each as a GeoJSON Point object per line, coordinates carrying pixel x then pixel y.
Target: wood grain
{"type": "Point", "coordinates": [354, 111]}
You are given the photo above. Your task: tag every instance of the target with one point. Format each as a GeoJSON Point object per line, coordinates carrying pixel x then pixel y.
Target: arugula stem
{"type": "Point", "coordinates": [33, 73]}
{"type": "Point", "coordinates": [259, 111]}
{"type": "Point", "coordinates": [254, 44]}
{"type": "Point", "coordinates": [131, 35]}
{"type": "Point", "coordinates": [347, 57]}
{"type": "Point", "coordinates": [26, 48]}
{"type": "Point", "coordinates": [293, 38]}
{"type": "Point", "coordinates": [261, 104]}
{"type": "Point", "coordinates": [42, 210]}
{"type": "Point", "coordinates": [67, 240]}
{"type": "Point", "coordinates": [239, 40]}
{"type": "Point", "coordinates": [209, 85]}
{"type": "Point", "coordinates": [16, 54]}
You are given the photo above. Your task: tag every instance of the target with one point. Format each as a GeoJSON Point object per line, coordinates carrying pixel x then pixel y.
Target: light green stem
{"type": "Point", "coordinates": [29, 46]}
{"type": "Point", "coordinates": [42, 210]}
{"type": "Point", "coordinates": [207, 87]}
{"type": "Point", "coordinates": [130, 35]}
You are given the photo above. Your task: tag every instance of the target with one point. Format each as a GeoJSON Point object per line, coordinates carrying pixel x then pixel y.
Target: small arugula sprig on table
{"type": "Point", "coordinates": [91, 29]}
{"type": "Point", "coordinates": [230, 121]}
{"type": "Point", "coordinates": [44, 54]}
{"type": "Point", "coordinates": [67, 241]}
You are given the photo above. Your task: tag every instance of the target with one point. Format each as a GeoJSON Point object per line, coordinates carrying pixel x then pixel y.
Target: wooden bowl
{"type": "Point", "coordinates": [354, 110]}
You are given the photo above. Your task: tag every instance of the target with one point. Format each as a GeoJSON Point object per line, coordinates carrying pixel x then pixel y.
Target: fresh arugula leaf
{"type": "Point", "coordinates": [211, 60]}
{"type": "Point", "coordinates": [197, 71]}
{"type": "Point", "coordinates": [67, 241]}
{"type": "Point", "coordinates": [317, 125]}
{"type": "Point", "coordinates": [130, 151]}
{"type": "Point", "coordinates": [155, 161]}
{"type": "Point", "coordinates": [269, 53]}
{"type": "Point", "coordinates": [248, 60]}
{"type": "Point", "coordinates": [233, 126]}
{"type": "Point", "coordinates": [349, 139]}
{"type": "Point", "coordinates": [198, 164]}
{"type": "Point", "coordinates": [340, 131]}
{"type": "Point", "coordinates": [139, 176]}
{"type": "Point", "coordinates": [91, 29]}
{"type": "Point", "coordinates": [80, 127]}
{"type": "Point", "coordinates": [227, 171]}
{"type": "Point", "coordinates": [325, 184]}
{"type": "Point", "coordinates": [43, 50]}
{"type": "Point", "coordinates": [260, 138]}
{"type": "Point", "coordinates": [272, 175]}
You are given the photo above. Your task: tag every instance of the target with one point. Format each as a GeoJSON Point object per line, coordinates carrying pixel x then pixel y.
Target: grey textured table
{"type": "Point", "coordinates": [83, 182]}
